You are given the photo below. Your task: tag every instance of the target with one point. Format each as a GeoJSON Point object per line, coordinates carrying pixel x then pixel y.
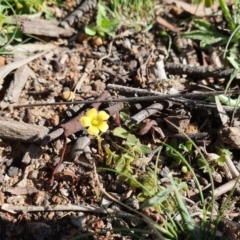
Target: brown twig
{"type": "Point", "coordinates": [54, 208]}
{"type": "Point", "coordinates": [199, 71]}
{"type": "Point", "coordinates": [150, 110]}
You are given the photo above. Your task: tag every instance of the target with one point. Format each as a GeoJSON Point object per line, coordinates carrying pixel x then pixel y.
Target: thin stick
{"type": "Point", "coordinates": [199, 71]}
{"type": "Point", "coordinates": [15, 209]}
{"type": "Point", "coordinates": [134, 99]}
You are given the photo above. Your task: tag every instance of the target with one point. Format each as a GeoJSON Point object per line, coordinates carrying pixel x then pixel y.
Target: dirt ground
{"type": "Point", "coordinates": [50, 188]}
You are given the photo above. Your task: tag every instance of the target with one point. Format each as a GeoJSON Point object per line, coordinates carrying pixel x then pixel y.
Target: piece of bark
{"type": "Point", "coordinates": [116, 108]}
{"type": "Point", "coordinates": [199, 72]}
{"type": "Point", "coordinates": [21, 76]}
{"type": "Point", "coordinates": [181, 122]}
{"type": "Point", "coordinates": [230, 135]}
{"type": "Point", "coordinates": [145, 113]}
{"type": "Point", "coordinates": [20, 131]}
{"type": "Point", "coordinates": [42, 27]}
{"type": "Point", "coordinates": [85, 7]}
{"type": "Point", "coordinates": [51, 136]}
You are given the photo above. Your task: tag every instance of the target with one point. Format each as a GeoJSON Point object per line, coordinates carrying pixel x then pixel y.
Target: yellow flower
{"type": "Point", "coordinates": [95, 121]}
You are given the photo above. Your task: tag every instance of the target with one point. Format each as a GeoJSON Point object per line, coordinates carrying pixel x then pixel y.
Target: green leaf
{"type": "Point", "coordinates": [105, 23]}
{"type": "Point", "coordinates": [201, 163]}
{"type": "Point", "coordinates": [157, 199]}
{"type": "Point", "coordinates": [208, 3]}
{"type": "Point", "coordinates": [111, 33]}
{"type": "Point", "coordinates": [183, 147]}
{"type": "Point", "coordinates": [123, 116]}
{"type": "Point", "coordinates": [131, 139]}
{"type": "Point", "coordinates": [128, 156]}
{"type": "Point", "coordinates": [3, 39]}
{"type": "Point", "coordinates": [120, 164]}
{"type": "Point", "coordinates": [120, 132]}
{"type": "Point", "coordinates": [234, 62]}
{"type": "Point", "coordinates": [189, 145]}
{"type": "Point", "coordinates": [221, 161]}
{"type": "Point", "coordinates": [202, 35]}
{"type": "Point", "coordinates": [151, 190]}
{"type": "Point", "coordinates": [113, 23]}
{"type": "Point", "coordinates": [101, 33]}
{"type": "Point", "coordinates": [210, 41]}
{"type": "Point", "coordinates": [110, 155]}
{"type": "Point", "coordinates": [141, 197]}
{"type": "Point", "coordinates": [90, 30]}
{"type": "Point", "coordinates": [102, 9]}
{"type": "Point", "coordinates": [145, 149]}
{"type": "Point", "coordinates": [171, 153]}
{"type": "Point", "coordinates": [203, 25]}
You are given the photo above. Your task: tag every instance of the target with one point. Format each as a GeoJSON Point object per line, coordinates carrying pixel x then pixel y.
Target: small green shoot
{"type": "Point", "coordinates": [185, 149]}
{"type": "Point", "coordinates": [131, 157]}
{"type": "Point", "coordinates": [135, 14]}
{"type": "Point", "coordinates": [207, 3]}
{"type": "Point", "coordinates": [104, 25]}
{"type": "Point", "coordinates": [32, 6]}
{"type": "Point", "coordinates": [209, 35]}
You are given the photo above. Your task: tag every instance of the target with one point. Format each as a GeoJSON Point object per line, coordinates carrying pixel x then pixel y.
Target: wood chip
{"type": "Point", "coordinates": [20, 131]}
{"type": "Point", "coordinates": [42, 27]}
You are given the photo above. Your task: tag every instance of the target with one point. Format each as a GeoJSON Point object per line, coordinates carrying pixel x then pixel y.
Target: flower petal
{"type": "Point", "coordinates": [103, 126]}
{"type": "Point", "coordinates": [91, 112]}
{"type": "Point", "coordinates": [102, 116]}
{"type": "Point", "coordinates": [92, 130]}
{"type": "Point", "coordinates": [85, 121]}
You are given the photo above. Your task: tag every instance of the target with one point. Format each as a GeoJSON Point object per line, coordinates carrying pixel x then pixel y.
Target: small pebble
{"type": "Point", "coordinates": [68, 95]}
{"type": "Point", "coordinates": [33, 174]}
{"type": "Point", "coordinates": [12, 171]}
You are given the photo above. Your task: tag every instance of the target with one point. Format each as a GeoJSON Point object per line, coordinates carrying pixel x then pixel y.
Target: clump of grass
{"type": "Point", "coordinates": [135, 14]}
{"type": "Point", "coordinates": [176, 221]}
{"type": "Point", "coordinates": [209, 35]}
{"type": "Point", "coordinates": [8, 31]}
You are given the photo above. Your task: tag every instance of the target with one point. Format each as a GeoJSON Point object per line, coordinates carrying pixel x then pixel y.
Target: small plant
{"type": "Point", "coordinates": [208, 35]}
{"type": "Point", "coordinates": [96, 122]}
{"type": "Point", "coordinates": [131, 157]}
{"type": "Point", "coordinates": [8, 31]}
{"type": "Point", "coordinates": [184, 148]}
{"type": "Point", "coordinates": [32, 6]}
{"type": "Point", "coordinates": [133, 13]}
{"type": "Point", "coordinates": [207, 3]}
{"type": "Point", "coordinates": [104, 25]}
{"type": "Point", "coordinates": [214, 160]}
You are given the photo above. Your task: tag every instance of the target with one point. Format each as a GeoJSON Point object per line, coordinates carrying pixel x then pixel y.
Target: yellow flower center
{"type": "Point", "coordinates": [95, 122]}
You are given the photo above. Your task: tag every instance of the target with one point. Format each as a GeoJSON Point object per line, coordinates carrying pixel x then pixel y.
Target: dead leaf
{"type": "Point", "coordinates": [222, 113]}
